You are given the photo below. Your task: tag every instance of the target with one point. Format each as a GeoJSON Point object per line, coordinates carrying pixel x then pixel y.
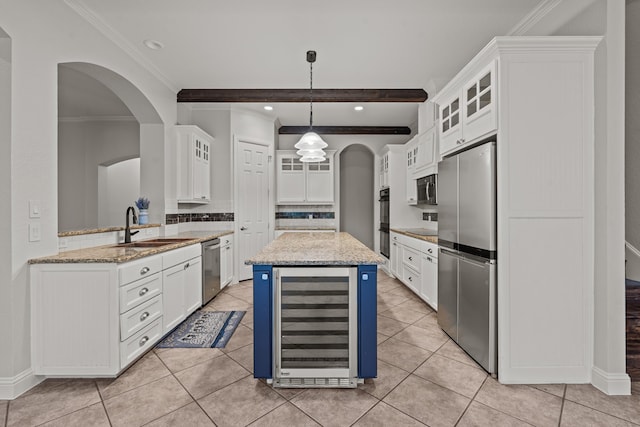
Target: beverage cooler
{"type": "Point", "coordinates": [315, 328]}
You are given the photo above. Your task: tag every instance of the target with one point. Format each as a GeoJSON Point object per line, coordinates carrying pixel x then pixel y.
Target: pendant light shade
{"type": "Point", "coordinates": [311, 144]}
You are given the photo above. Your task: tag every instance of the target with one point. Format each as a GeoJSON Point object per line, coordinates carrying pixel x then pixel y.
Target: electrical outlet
{"type": "Point", "coordinates": [34, 232]}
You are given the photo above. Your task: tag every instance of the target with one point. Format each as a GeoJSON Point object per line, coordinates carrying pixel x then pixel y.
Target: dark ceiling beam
{"type": "Point", "coordinates": [346, 130]}
{"type": "Point", "coordinates": [302, 95]}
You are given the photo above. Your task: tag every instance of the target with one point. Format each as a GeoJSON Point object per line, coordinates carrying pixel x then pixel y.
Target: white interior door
{"type": "Point", "coordinates": [252, 208]}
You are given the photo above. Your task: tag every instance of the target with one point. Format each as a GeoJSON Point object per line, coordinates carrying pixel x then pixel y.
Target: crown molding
{"type": "Point", "coordinates": [84, 119]}
{"type": "Point", "coordinates": [532, 18]}
{"type": "Point", "coordinates": [110, 33]}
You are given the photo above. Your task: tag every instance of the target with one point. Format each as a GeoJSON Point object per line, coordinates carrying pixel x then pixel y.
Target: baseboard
{"type": "Point", "coordinates": [611, 384]}
{"type": "Point", "coordinates": [12, 387]}
{"type": "Point", "coordinates": [632, 266]}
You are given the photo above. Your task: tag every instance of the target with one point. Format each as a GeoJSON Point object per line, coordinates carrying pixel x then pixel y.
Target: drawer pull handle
{"type": "Point", "coordinates": [186, 266]}
{"type": "Point", "coordinates": [143, 291]}
{"type": "Point", "coordinates": [410, 279]}
{"type": "Point", "coordinates": [144, 270]}
{"type": "Point", "coordinates": [410, 258]}
{"type": "Point", "coordinates": [143, 340]}
{"type": "Point", "coordinates": [143, 316]}
{"type": "Point", "coordinates": [430, 251]}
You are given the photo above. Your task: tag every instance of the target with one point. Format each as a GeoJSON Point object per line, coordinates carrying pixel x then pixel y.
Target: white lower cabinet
{"type": "Point", "coordinates": [226, 260]}
{"type": "Point", "coordinates": [96, 319]}
{"type": "Point", "coordinates": [415, 263]}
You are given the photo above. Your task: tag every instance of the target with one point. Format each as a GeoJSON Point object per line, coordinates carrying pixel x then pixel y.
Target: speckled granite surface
{"type": "Point", "coordinates": [432, 239]}
{"type": "Point", "coordinates": [316, 249]}
{"type": "Point", "coordinates": [103, 230]}
{"type": "Point", "coordinates": [303, 227]}
{"type": "Point", "coordinates": [118, 254]}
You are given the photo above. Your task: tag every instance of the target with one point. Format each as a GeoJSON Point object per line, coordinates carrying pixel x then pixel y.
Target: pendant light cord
{"type": "Point", "coordinates": [311, 96]}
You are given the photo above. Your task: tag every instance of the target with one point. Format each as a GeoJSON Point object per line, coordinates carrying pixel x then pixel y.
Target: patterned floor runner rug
{"type": "Point", "coordinates": [204, 329]}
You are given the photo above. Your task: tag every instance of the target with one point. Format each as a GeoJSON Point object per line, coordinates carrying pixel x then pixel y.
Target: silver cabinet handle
{"type": "Point", "coordinates": [410, 279]}
{"type": "Point", "coordinates": [228, 247]}
{"type": "Point", "coordinates": [410, 258]}
{"type": "Point", "coordinates": [144, 270]}
{"type": "Point", "coordinates": [429, 259]}
{"type": "Point", "coordinates": [395, 244]}
{"type": "Point", "coordinates": [186, 266]}
{"type": "Point", "coordinates": [144, 315]}
{"type": "Point", "coordinates": [143, 341]}
{"type": "Point", "coordinates": [143, 291]}
{"type": "Point", "coordinates": [243, 228]}
{"type": "Point", "coordinates": [430, 251]}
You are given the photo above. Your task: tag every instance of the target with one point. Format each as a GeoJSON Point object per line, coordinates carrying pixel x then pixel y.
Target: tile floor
{"type": "Point", "coordinates": [423, 379]}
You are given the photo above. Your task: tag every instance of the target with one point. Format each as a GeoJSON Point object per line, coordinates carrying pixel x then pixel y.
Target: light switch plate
{"type": "Point", "coordinates": [34, 208]}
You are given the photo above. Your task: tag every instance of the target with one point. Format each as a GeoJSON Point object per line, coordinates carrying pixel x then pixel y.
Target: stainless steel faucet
{"type": "Point", "coordinates": [127, 230]}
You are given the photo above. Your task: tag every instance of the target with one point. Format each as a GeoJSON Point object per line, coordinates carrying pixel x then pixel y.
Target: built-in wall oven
{"type": "Point", "coordinates": [210, 269]}
{"type": "Point", "coordinates": [384, 222]}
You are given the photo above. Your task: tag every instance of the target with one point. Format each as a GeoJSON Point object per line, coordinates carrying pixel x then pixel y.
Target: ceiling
{"type": "Point", "coordinates": [251, 44]}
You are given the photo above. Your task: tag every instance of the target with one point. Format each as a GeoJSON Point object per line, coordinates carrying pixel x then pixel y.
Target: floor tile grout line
{"type": "Point", "coordinates": [268, 412]}
{"type": "Point", "coordinates": [74, 411]}
{"type": "Point", "coordinates": [562, 402]}
{"type": "Point", "coordinates": [471, 401]}
{"type": "Point", "coordinates": [598, 410]}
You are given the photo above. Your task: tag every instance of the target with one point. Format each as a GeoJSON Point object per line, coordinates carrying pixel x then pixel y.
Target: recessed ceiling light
{"type": "Point", "coordinates": [358, 108]}
{"type": "Point", "coordinates": [153, 44]}
{"type": "Point", "coordinates": [268, 107]}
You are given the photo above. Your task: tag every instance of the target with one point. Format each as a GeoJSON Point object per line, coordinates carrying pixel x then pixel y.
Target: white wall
{"type": "Point", "coordinates": [118, 188]}
{"type": "Point", "coordinates": [357, 204]}
{"type": "Point", "coordinates": [632, 136]}
{"type": "Point", "coordinates": [38, 46]}
{"type": "Point", "coordinates": [83, 146]}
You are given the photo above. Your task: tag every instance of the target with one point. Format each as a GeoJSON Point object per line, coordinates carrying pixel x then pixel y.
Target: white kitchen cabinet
{"type": "Point", "coordinates": [411, 155]}
{"type": "Point", "coordinates": [468, 113]}
{"type": "Point", "coordinates": [414, 263]}
{"type": "Point", "coordinates": [384, 170]}
{"type": "Point", "coordinates": [540, 101]}
{"type": "Point", "coordinates": [426, 158]}
{"type": "Point", "coordinates": [181, 285]}
{"type": "Point", "coordinates": [194, 164]}
{"type": "Point", "coordinates": [429, 278]}
{"type": "Point", "coordinates": [226, 260]}
{"type": "Point", "coordinates": [96, 319]}
{"type": "Point", "coordinates": [304, 183]}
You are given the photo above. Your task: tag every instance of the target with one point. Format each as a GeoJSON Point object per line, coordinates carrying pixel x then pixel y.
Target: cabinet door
{"type": "Point", "coordinates": [450, 125]}
{"type": "Point", "coordinates": [226, 263]}
{"type": "Point", "coordinates": [429, 286]}
{"type": "Point", "coordinates": [395, 256]}
{"type": "Point", "coordinates": [410, 157]}
{"type": "Point", "coordinates": [202, 174]}
{"type": "Point", "coordinates": [173, 280]}
{"type": "Point", "coordinates": [193, 285]}
{"type": "Point", "coordinates": [320, 181]}
{"type": "Point", "coordinates": [229, 276]}
{"type": "Point", "coordinates": [290, 179]}
{"type": "Point", "coordinates": [426, 156]}
{"type": "Point", "coordinates": [479, 117]}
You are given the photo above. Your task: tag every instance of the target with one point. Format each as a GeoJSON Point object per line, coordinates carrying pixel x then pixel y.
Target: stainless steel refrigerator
{"type": "Point", "coordinates": [468, 253]}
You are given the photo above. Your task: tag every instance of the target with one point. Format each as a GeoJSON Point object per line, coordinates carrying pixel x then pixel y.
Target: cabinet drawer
{"type": "Point", "coordinates": [430, 249]}
{"type": "Point", "coordinates": [136, 319]}
{"type": "Point", "coordinates": [411, 278]}
{"type": "Point", "coordinates": [140, 342]}
{"type": "Point", "coordinates": [137, 292]}
{"type": "Point", "coordinates": [135, 270]}
{"type": "Point", "coordinates": [411, 257]}
{"type": "Point", "coordinates": [178, 256]}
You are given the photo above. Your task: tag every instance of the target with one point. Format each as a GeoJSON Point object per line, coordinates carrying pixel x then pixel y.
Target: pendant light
{"type": "Point", "coordinates": [310, 145]}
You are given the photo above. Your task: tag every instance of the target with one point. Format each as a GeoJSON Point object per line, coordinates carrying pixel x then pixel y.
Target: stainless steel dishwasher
{"type": "Point", "coordinates": [210, 269]}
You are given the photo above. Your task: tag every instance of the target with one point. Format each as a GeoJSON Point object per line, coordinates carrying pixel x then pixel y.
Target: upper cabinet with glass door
{"type": "Point", "coordinates": [469, 113]}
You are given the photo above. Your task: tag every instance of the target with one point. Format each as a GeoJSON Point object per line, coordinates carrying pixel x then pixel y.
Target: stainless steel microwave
{"type": "Point", "coordinates": [428, 189]}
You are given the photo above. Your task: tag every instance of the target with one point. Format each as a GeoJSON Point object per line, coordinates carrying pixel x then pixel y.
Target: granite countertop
{"type": "Point", "coordinates": [305, 227]}
{"type": "Point", "coordinates": [316, 249]}
{"type": "Point", "coordinates": [103, 230]}
{"type": "Point", "coordinates": [119, 254]}
{"type": "Point", "coordinates": [418, 233]}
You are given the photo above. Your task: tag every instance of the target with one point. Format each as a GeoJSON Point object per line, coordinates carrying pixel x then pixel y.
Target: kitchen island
{"type": "Point", "coordinates": [315, 311]}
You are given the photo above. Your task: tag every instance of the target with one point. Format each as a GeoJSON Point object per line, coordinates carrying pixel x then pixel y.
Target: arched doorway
{"type": "Point", "coordinates": [357, 193]}
{"type": "Point", "coordinates": [104, 119]}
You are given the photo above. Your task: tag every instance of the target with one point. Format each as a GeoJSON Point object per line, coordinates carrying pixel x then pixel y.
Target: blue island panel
{"type": "Point", "coordinates": [262, 321]}
{"type": "Point", "coordinates": [367, 322]}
